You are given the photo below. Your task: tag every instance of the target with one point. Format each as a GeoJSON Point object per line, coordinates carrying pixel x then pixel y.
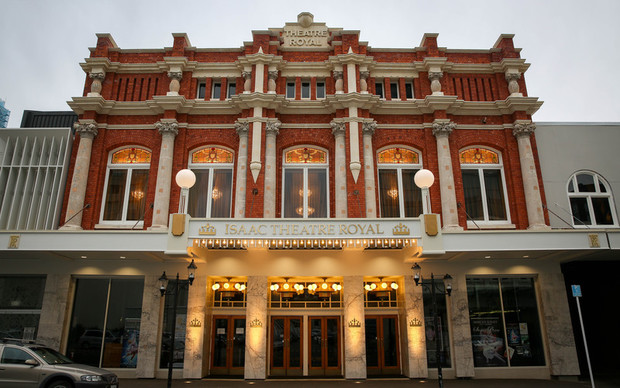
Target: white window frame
{"type": "Point", "coordinates": [216, 81]}
{"type": "Point", "coordinates": [321, 81]}
{"type": "Point", "coordinates": [305, 167]}
{"type": "Point", "coordinates": [229, 82]}
{"type": "Point", "coordinates": [304, 82]}
{"type": "Point", "coordinates": [485, 211]}
{"type": "Point", "coordinates": [203, 84]}
{"type": "Point", "coordinates": [130, 167]}
{"type": "Point", "coordinates": [598, 179]}
{"type": "Point", "coordinates": [382, 94]}
{"type": "Point", "coordinates": [397, 88]}
{"type": "Point", "coordinates": [288, 81]}
{"type": "Point", "coordinates": [399, 175]}
{"type": "Point", "coordinates": [211, 167]}
{"type": "Point", "coordinates": [410, 84]}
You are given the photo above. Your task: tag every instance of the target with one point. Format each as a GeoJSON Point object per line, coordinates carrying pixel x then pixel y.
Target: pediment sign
{"type": "Point", "coordinates": [305, 33]}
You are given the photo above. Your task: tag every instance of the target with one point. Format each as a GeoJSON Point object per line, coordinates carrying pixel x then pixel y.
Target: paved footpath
{"type": "Point", "coordinates": [370, 383]}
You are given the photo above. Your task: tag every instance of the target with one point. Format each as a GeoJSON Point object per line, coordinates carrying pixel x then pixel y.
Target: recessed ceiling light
{"type": "Point", "coordinates": [83, 257]}
{"type": "Point", "coordinates": [123, 257]}
{"type": "Point", "coordinates": [525, 256]}
{"type": "Point", "coordinates": [487, 257]}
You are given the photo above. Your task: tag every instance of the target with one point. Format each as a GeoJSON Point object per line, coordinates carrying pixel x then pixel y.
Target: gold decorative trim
{"type": "Point", "coordinates": [355, 323]}
{"type": "Point", "coordinates": [415, 322]}
{"type": "Point", "coordinates": [401, 230]}
{"type": "Point", "coordinates": [208, 230]}
{"type": "Point", "coordinates": [256, 323]}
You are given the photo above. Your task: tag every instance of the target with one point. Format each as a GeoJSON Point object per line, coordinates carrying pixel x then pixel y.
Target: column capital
{"type": "Point", "coordinates": [435, 75]}
{"type": "Point", "coordinates": [443, 128]}
{"type": "Point", "coordinates": [337, 74]}
{"type": "Point", "coordinates": [167, 127]}
{"type": "Point", "coordinates": [273, 74]}
{"type": "Point", "coordinates": [86, 130]}
{"type": "Point", "coordinates": [242, 128]}
{"type": "Point", "coordinates": [175, 75]}
{"type": "Point", "coordinates": [364, 74]}
{"type": "Point", "coordinates": [97, 76]}
{"type": "Point", "coordinates": [369, 128]}
{"type": "Point", "coordinates": [272, 127]}
{"type": "Point", "coordinates": [246, 75]}
{"type": "Point", "coordinates": [523, 129]}
{"type": "Point", "coordinates": [338, 128]}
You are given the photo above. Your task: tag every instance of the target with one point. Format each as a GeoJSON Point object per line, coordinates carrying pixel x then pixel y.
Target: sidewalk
{"type": "Point", "coordinates": [370, 383]}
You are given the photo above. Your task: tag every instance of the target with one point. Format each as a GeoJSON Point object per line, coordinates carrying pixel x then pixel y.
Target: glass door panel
{"type": "Point", "coordinates": [324, 337]}
{"type": "Point", "coordinates": [238, 343]}
{"type": "Point", "coordinates": [228, 353]}
{"type": "Point", "coordinates": [286, 346]}
{"type": "Point", "coordinates": [382, 351]}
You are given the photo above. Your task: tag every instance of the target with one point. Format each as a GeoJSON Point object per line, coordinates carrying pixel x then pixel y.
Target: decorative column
{"type": "Point", "coordinates": [149, 325]}
{"type": "Point", "coordinates": [242, 162]}
{"type": "Point", "coordinates": [75, 205]}
{"type": "Point", "coordinates": [533, 201]}
{"type": "Point", "coordinates": [247, 83]}
{"type": "Point", "coordinates": [339, 84]}
{"type": "Point", "coordinates": [271, 82]}
{"type": "Point", "coordinates": [195, 329]}
{"type": "Point", "coordinates": [368, 129]}
{"type": "Point", "coordinates": [256, 328]}
{"type": "Point", "coordinates": [416, 366]}
{"type": "Point", "coordinates": [175, 82]}
{"type": "Point", "coordinates": [364, 81]}
{"type": "Point", "coordinates": [269, 206]}
{"type": "Point", "coordinates": [513, 86]}
{"type": "Point", "coordinates": [449, 213]}
{"type": "Point", "coordinates": [338, 130]}
{"type": "Point", "coordinates": [95, 86]}
{"type": "Point", "coordinates": [354, 328]}
{"type": "Point", "coordinates": [435, 77]}
{"type": "Point", "coordinates": [168, 129]}
{"type": "Point", "coordinates": [53, 309]}
{"type": "Point", "coordinates": [461, 332]}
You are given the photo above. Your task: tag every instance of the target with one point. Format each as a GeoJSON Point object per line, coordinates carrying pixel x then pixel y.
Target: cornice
{"type": "Point", "coordinates": [350, 58]}
{"type": "Point", "coordinates": [305, 69]}
{"type": "Point", "coordinates": [305, 107]}
{"type": "Point", "coordinates": [346, 100]}
{"type": "Point", "coordinates": [255, 99]}
{"type": "Point", "coordinates": [394, 70]}
{"type": "Point", "coordinates": [252, 59]}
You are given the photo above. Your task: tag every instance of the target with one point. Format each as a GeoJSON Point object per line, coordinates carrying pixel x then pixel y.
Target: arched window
{"type": "Point", "coordinates": [304, 193]}
{"type": "Point", "coordinates": [126, 185]}
{"type": "Point", "coordinates": [591, 202]}
{"type": "Point", "coordinates": [211, 196]}
{"type": "Point", "coordinates": [484, 186]}
{"type": "Point", "coordinates": [398, 194]}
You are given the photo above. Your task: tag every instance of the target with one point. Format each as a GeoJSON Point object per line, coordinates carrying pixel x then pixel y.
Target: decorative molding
{"type": "Point", "coordinates": [523, 129]}
{"type": "Point", "coordinates": [175, 75]}
{"type": "Point", "coordinates": [86, 130]}
{"type": "Point", "coordinates": [272, 127]}
{"type": "Point", "coordinates": [355, 323]}
{"type": "Point", "coordinates": [195, 323]}
{"type": "Point", "coordinates": [13, 242]}
{"type": "Point", "coordinates": [167, 127]}
{"type": "Point", "coordinates": [369, 127]}
{"type": "Point", "coordinates": [256, 323]}
{"type": "Point", "coordinates": [415, 322]}
{"type": "Point", "coordinates": [338, 128]}
{"type": "Point", "coordinates": [242, 128]}
{"type": "Point", "coordinates": [443, 128]}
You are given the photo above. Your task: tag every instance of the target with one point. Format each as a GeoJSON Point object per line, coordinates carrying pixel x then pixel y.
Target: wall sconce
{"type": "Point", "coordinates": [228, 289]}
{"type": "Point", "coordinates": [381, 288]}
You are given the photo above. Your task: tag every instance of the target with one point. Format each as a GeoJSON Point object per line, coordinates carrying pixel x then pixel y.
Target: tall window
{"type": "Point", "coordinates": [217, 90]}
{"type": "Point", "coordinates": [503, 317]}
{"type": "Point", "coordinates": [320, 89]}
{"type": "Point", "coordinates": [398, 194]}
{"type": "Point", "coordinates": [21, 299]}
{"type": "Point", "coordinates": [591, 201]}
{"type": "Point", "coordinates": [409, 90]}
{"type": "Point", "coordinates": [231, 88]}
{"type": "Point", "coordinates": [126, 185]}
{"type": "Point", "coordinates": [484, 186]}
{"type": "Point", "coordinates": [440, 333]}
{"type": "Point", "coordinates": [394, 95]}
{"type": "Point", "coordinates": [211, 196]}
{"type": "Point", "coordinates": [305, 183]}
{"type": "Point", "coordinates": [290, 89]}
{"type": "Point", "coordinates": [305, 89]}
{"type": "Point", "coordinates": [379, 91]}
{"type": "Point", "coordinates": [178, 355]}
{"type": "Point", "coordinates": [202, 89]}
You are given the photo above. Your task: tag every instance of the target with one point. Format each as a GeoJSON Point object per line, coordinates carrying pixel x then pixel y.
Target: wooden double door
{"type": "Point", "coordinates": [323, 348]}
{"type": "Point", "coordinates": [382, 345]}
{"type": "Point", "coordinates": [228, 346]}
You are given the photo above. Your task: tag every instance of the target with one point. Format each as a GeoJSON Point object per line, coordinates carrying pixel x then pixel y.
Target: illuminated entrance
{"type": "Point", "coordinates": [382, 350]}
{"type": "Point", "coordinates": [228, 351]}
{"type": "Point", "coordinates": [325, 346]}
{"type": "Point", "coordinates": [286, 346]}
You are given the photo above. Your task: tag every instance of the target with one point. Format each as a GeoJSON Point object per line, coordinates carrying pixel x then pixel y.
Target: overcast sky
{"type": "Point", "coordinates": [573, 46]}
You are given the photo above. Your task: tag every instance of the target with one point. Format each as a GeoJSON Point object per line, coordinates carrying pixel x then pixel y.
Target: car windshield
{"type": "Point", "coordinates": [51, 356]}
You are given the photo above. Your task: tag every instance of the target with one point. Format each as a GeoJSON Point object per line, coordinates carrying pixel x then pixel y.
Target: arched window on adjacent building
{"type": "Point", "coordinates": [126, 185]}
{"type": "Point", "coordinates": [211, 196]}
{"type": "Point", "coordinates": [398, 194]}
{"type": "Point", "coordinates": [305, 180]}
{"type": "Point", "coordinates": [590, 200]}
{"type": "Point", "coordinates": [484, 186]}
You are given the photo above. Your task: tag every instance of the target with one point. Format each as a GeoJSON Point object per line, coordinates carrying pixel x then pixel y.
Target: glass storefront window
{"type": "Point", "coordinates": [118, 299]}
{"type": "Point", "coordinates": [429, 324]}
{"type": "Point", "coordinates": [21, 298]}
{"type": "Point", "coordinates": [179, 333]}
{"type": "Point", "coordinates": [505, 329]}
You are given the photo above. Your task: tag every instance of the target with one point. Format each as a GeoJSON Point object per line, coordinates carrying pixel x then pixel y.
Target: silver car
{"type": "Point", "coordinates": [30, 365]}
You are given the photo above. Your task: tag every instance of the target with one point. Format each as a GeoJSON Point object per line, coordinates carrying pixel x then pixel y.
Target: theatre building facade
{"type": "Point", "coordinates": [304, 220]}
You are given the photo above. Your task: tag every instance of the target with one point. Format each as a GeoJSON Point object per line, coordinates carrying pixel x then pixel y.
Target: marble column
{"type": "Point", "coordinates": [195, 353]}
{"type": "Point", "coordinates": [87, 131]}
{"type": "Point", "coordinates": [271, 131]}
{"type": "Point", "coordinates": [449, 213]}
{"type": "Point", "coordinates": [460, 329]}
{"type": "Point", "coordinates": [368, 129]}
{"type": "Point", "coordinates": [168, 129]}
{"type": "Point", "coordinates": [558, 328]}
{"type": "Point", "coordinates": [149, 329]}
{"type": "Point", "coordinates": [53, 310]}
{"type": "Point", "coordinates": [242, 165]}
{"type": "Point", "coordinates": [416, 362]}
{"type": "Point", "coordinates": [533, 201]}
{"type": "Point", "coordinates": [354, 328]}
{"type": "Point", "coordinates": [340, 179]}
{"type": "Point", "coordinates": [256, 328]}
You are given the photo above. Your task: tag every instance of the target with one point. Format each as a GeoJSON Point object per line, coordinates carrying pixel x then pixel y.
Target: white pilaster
{"type": "Point", "coordinates": [260, 78]}
{"type": "Point", "coordinates": [269, 200]}
{"type": "Point", "coordinates": [242, 161]}
{"type": "Point", "coordinates": [368, 129]}
{"type": "Point", "coordinates": [257, 134]}
{"type": "Point", "coordinates": [354, 328]}
{"type": "Point", "coordinates": [338, 129]}
{"type": "Point", "coordinates": [354, 143]}
{"type": "Point", "coordinates": [195, 352]}
{"type": "Point", "coordinates": [449, 213]}
{"type": "Point", "coordinates": [461, 332]}
{"type": "Point", "coordinates": [256, 328]}
{"type": "Point", "coordinates": [53, 310]}
{"type": "Point", "coordinates": [168, 128]}
{"type": "Point", "coordinates": [416, 366]}
{"type": "Point", "coordinates": [149, 324]}
{"type": "Point", "coordinates": [351, 78]}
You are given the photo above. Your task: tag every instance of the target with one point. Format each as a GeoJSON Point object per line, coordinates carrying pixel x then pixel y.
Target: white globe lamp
{"type": "Point", "coordinates": [185, 179]}
{"type": "Point", "coordinates": [424, 179]}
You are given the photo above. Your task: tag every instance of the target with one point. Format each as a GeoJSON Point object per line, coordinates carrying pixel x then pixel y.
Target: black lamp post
{"type": "Point", "coordinates": [163, 284]}
{"type": "Point", "coordinates": [447, 279]}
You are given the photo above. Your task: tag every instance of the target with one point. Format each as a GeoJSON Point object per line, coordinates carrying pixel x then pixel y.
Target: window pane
{"type": "Point", "coordinates": [496, 206]}
{"type": "Point", "coordinates": [412, 194]}
{"type": "Point", "coordinates": [602, 211]}
{"type": "Point", "coordinates": [409, 91]}
{"type": "Point", "coordinates": [305, 90]}
{"type": "Point", "coordinates": [317, 193]}
{"type": "Point", "coordinates": [125, 309]}
{"type": "Point", "coordinates": [320, 90]}
{"type": "Point", "coordinates": [571, 189]}
{"type": "Point", "coordinates": [585, 183]}
{"type": "Point", "coordinates": [197, 198]}
{"type": "Point", "coordinates": [429, 324]}
{"type": "Point", "coordinates": [179, 335]}
{"type": "Point", "coordinates": [114, 196]}
{"type": "Point", "coordinates": [473, 194]}
{"type": "Point", "coordinates": [522, 326]}
{"type": "Point", "coordinates": [379, 89]}
{"type": "Point", "coordinates": [221, 193]}
{"type": "Point", "coordinates": [388, 193]}
{"type": "Point", "coordinates": [217, 90]}
{"type": "Point", "coordinates": [486, 322]}
{"type": "Point", "coordinates": [293, 193]}
{"type": "Point", "coordinates": [394, 90]}
{"type": "Point", "coordinates": [137, 194]}
{"type": "Point", "coordinates": [232, 88]}
{"type": "Point", "coordinates": [14, 356]}
{"type": "Point", "coordinates": [21, 292]}
{"type": "Point", "coordinates": [201, 90]}
{"type": "Point", "coordinates": [290, 90]}
{"type": "Point", "coordinates": [581, 213]}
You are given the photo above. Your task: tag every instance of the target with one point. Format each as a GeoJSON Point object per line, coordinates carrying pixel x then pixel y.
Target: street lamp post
{"type": "Point", "coordinates": [163, 285]}
{"type": "Point", "coordinates": [447, 279]}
